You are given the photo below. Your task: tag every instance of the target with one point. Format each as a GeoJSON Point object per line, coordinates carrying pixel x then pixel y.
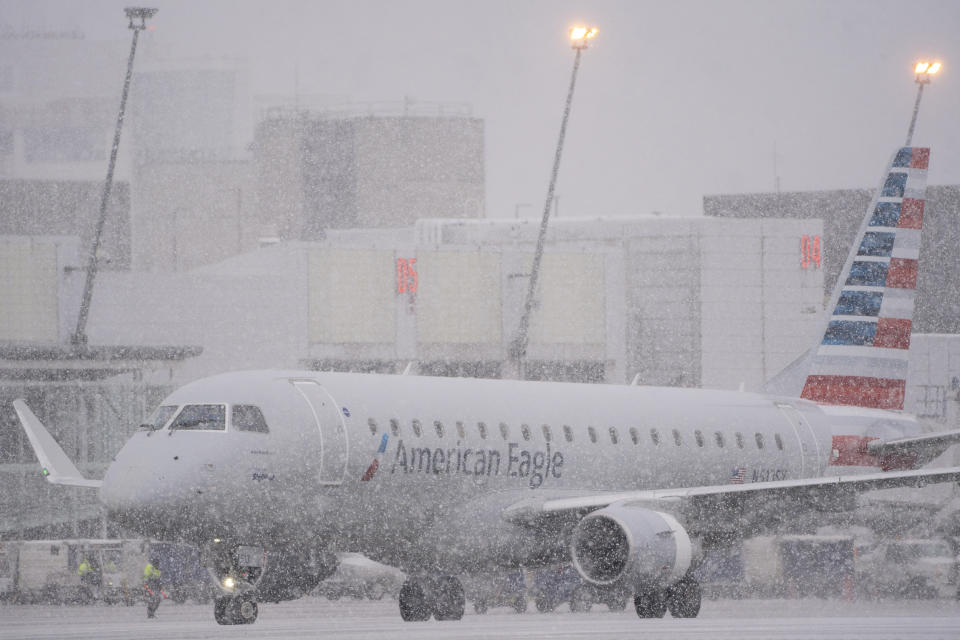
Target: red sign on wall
{"type": "Point", "coordinates": [406, 275]}
{"type": "Point", "coordinates": [810, 252]}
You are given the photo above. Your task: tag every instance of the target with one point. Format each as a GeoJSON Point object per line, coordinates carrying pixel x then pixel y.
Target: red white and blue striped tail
{"type": "Point", "coordinates": [862, 359]}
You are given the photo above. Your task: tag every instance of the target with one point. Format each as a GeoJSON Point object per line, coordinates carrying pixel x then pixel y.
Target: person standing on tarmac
{"type": "Point", "coordinates": [152, 581]}
{"type": "Point", "coordinates": [90, 577]}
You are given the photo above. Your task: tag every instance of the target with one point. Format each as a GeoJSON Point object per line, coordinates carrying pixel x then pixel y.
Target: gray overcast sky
{"type": "Point", "coordinates": [674, 101]}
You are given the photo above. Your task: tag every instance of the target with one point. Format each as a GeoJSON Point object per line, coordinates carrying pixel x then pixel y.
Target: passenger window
{"type": "Point", "coordinates": [370, 423]}
{"type": "Point", "coordinates": [159, 418]}
{"type": "Point", "coordinates": [417, 428]}
{"type": "Point", "coordinates": [759, 438]}
{"type": "Point", "coordinates": [739, 439]}
{"type": "Point", "coordinates": [546, 432]}
{"type": "Point", "coordinates": [634, 435]}
{"type": "Point", "coordinates": [676, 438]}
{"type": "Point", "coordinates": [504, 430]}
{"type": "Point", "coordinates": [655, 436]}
{"type": "Point", "coordinates": [439, 427]}
{"type": "Point", "coordinates": [567, 433]}
{"type": "Point", "coordinates": [718, 436]}
{"type": "Point", "coordinates": [482, 428]}
{"type": "Point", "coordinates": [613, 435]}
{"type": "Point", "coordinates": [395, 426]}
{"type": "Point", "coordinates": [778, 440]}
{"type": "Point", "coordinates": [201, 417]}
{"type": "Point", "coordinates": [461, 432]}
{"type": "Point", "coordinates": [698, 436]}
{"type": "Point", "coordinates": [525, 431]}
{"type": "Point", "coordinates": [592, 433]}
{"type": "Point", "coordinates": [247, 417]}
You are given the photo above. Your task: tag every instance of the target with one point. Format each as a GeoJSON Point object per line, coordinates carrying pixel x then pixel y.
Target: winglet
{"type": "Point", "coordinates": [57, 468]}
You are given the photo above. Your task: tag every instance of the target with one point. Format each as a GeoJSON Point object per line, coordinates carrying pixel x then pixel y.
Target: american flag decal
{"type": "Point", "coordinates": [738, 475]}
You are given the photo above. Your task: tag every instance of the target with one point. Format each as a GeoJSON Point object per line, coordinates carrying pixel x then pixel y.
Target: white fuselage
{"type": "Point", "coordinates": [359, 459]}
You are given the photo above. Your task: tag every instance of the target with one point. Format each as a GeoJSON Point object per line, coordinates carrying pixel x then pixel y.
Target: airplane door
{"type": "Point", "coordinates": [334, 447]}
{"type": "Point", "coordinates": [810, 458]}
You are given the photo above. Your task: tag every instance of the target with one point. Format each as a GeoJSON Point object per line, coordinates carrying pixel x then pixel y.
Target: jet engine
{"type": "Point", "coordinates": [633, 545]}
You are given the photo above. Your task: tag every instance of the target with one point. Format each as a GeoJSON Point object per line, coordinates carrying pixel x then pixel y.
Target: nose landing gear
{"type": "Point", "coordinates": [237, 571]}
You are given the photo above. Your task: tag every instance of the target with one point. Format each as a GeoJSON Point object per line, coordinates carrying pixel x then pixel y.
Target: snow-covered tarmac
{"type": "Point", "coordinates": [318, 618]}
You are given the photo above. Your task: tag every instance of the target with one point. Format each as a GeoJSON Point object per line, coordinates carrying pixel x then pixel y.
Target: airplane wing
{"type": "Point", "coordinates": [57, 468]}
{"type": "Point", "coordinates": [698, 502]}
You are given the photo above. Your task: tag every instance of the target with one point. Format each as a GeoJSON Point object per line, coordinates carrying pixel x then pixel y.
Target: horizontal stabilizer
{"type": "Point", "coordinates": [57, 468]}
{"type": "Point", "coordinates": [922, 448]}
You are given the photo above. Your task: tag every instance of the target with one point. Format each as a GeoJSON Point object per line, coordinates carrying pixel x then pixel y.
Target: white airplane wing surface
{"type": "Point", "coordinates": [824, 491]}
{"type": "Point", "coordinates": [57, 467]}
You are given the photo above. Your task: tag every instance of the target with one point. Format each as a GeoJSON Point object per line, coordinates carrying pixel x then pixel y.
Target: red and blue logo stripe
{"type": "Point", "coordinates": [372, 469]}
{"type": "Point", "coordinates": [862, 359]}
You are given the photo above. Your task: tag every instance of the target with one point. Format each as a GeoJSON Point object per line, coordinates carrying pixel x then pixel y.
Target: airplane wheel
{"type": "Point", "coordinates": [235, 609]}
{"type": "Point", "coordinates": [222, 610]}
{"type": "Point", "coordinates": [683, 599]}
{"type": "Point", "coordinates": [543, 605]}
{"type": "Point", "coordinates": [450, 600]}
{"type": "Point", "coordinates": [520, 604]}
{"type": "Point", "coordinates": [245, 609]}
{"type": "Point", "coordinates": [414, 606]}
{"type": "Point", "coordinates": [650, 604]}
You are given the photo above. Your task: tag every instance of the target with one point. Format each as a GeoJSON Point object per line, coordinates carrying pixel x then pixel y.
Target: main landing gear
{"type": "Point", "coordinates": [440, 597]}
{"type": "Point", "coordinates": [682, 599]}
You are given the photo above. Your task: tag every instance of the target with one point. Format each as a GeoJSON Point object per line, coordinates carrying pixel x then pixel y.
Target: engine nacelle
{"type": "Point", "coordinates": [633, 545]}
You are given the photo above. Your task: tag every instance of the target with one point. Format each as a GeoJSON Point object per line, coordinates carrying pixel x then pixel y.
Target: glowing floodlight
{"type": "Point", "coordinates": [580, 35]}
{"type": "Point", "coordinates": [925, 69]}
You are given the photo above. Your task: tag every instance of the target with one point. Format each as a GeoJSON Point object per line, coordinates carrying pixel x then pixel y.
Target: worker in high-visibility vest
{"type": "Point", "coordinates": [153, 583]}
{"type": "Point", "coordinates": [84, 570]}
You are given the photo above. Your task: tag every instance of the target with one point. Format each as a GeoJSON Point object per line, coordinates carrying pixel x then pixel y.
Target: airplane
{"type": "Point", "coordinates": [271, 473]}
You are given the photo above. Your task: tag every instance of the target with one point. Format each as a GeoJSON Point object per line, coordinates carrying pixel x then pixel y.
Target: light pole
{"type": "Point", "coordinates": [134, 14]}
{"type": "Point", "coordinates": [924, 71]}
{"type": "Point", "coordinates": [579, 37]}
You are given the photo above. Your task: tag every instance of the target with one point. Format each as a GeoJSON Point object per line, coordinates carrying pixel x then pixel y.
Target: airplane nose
{"type": "Point", "coordinates": [144, 494]}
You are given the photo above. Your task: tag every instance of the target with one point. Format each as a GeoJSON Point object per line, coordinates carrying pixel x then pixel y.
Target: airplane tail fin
{"type": "Point", "coordinates": [56, 467]}
{"type": "Point", "coordinates": [862, 357]}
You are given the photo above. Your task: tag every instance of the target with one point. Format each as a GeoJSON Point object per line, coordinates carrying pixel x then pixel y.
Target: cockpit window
{"type": "Point", "coordinates": [247, 417]}
{"type": "Point", "coordinates": [159, 418]}
{"type": "Point", "coordinates": [201, 417]}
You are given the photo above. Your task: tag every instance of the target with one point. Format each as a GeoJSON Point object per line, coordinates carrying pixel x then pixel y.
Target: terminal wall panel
{"type": "Point", "coordinates": [458, 297]}
{"type": "Point", "coordinates": [28, 291]}
{"type": "Point", "coordinates": [571, 296]}
{"type": "Point", "coordinates": [351, 296]}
